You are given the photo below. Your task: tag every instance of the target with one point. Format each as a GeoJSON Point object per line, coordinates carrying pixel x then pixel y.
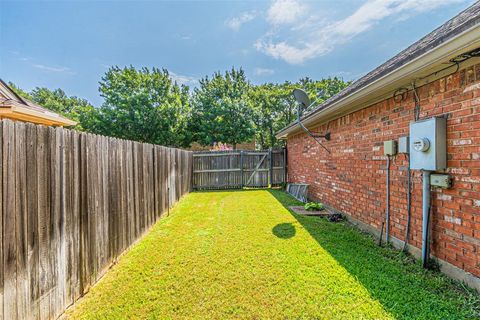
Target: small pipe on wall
{"type": "Point", "coordinates": [387, 213]}
{"type": "Point", "coordinates": [425, 217]}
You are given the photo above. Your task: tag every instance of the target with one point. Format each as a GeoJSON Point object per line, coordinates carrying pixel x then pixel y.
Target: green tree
{"type": "Point", "coordinates": [220, 109]}
{"type": "Point", "coordinates": [321, 90]}
{"type": "Point", "coordinates": [22, 93]}
{"type": "Point", "coordinates": [143, 105]}
{"type": "Point", "coordinates": [77, 109]}
{"type": "Point", "coordinates": [275, 107]}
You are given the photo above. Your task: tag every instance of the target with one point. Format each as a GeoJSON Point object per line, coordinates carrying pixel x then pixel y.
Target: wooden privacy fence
{"type": "Point", "coordinates": [70, 204]}
{"type": "Point", "coordinates": [238, 169]}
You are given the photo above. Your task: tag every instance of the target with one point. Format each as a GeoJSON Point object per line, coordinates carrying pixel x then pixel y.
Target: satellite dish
{"type": "Point", "coordinates": [301, 97]}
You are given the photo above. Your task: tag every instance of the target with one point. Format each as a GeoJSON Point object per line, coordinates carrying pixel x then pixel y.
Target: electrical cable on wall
{"type": "Point", "coordinates": [401, 95]}
{"type": "Point", "coordinates": [416, 112]}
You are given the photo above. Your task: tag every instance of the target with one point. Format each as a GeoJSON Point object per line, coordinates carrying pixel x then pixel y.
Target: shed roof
{"type": "Point", "coordinates": [15, 107]}
{"type": "Point", "coordinates": [458, 35]}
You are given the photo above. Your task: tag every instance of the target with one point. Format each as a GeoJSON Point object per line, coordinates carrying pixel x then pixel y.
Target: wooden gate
{"type": "Point", "coordinates": [238, 169]}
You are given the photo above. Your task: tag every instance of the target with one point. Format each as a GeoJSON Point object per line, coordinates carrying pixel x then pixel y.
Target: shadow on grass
{"type": "Point", "coordinates": [393, 278]}
{"type": "Point", "coordinates": [284, 230]}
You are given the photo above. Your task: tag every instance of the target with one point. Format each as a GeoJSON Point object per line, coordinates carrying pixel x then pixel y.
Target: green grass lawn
{"type": "Point", "coordinates": [243, 255]}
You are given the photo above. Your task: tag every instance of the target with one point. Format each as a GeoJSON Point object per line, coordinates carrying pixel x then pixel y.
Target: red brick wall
{"type": "Point", "coordinates": [352, 178]}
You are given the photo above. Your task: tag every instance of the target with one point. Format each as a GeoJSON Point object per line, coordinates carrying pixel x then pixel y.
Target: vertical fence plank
{"type": "Point", "coordinates": [105, 206]}
{"type": "Point", "coordinates": [9, 216]}
{"type": "Point", "coordinates": [84, 235]}
{"type": "Point", "coordinates": [68, 214]}
{"type": "Point", "coordinates": [237, 169]}
{"type": "Point", "coordinates": [76, 201]}
{"type": "Point", "coordinates": [43, 207]}
{"type": "Point", "coordinates": [32, 224]}
{"type": "Point", "coordinates": [21, 221]}
{"type": "Point", "coordinates": [2, 166]}
{"type": "Point", "coordinates": [55, 220]}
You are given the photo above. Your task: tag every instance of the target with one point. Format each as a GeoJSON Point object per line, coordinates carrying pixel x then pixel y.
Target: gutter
{"type": "Point", "coordinates": [22, 113]}
{"type": "Point", "coordinates": [380, 88]}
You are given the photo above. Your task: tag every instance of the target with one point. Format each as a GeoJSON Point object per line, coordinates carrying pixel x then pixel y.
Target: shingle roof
{"type": "Point", "coordinates": [9, 98]}
{"type": "Point", "coordinates": [455, 26]}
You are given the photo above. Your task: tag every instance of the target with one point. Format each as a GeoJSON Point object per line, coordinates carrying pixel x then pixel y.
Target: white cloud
{"type": "Point", "coordinates": [264, 72]}
{"type": "Point", "coordinates": [53, 69]}
{"type": "Point", "coordinates": [182, 79]}
{"type": "Point", "coordinates": [236, 22]}
{"type": "Point", "coordinates": [285, 12]}
{"type": "Point", "coordinates": [315, 38]}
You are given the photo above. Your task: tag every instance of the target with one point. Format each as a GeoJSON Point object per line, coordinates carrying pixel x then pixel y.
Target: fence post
{"type": "Point", "coordinates": [270, 168]}
{"type": "Point", "coordinates": [241, 169]}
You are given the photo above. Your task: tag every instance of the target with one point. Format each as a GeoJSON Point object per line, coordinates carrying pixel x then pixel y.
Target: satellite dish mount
{"type": "Point", "coordinates": [304, 103]}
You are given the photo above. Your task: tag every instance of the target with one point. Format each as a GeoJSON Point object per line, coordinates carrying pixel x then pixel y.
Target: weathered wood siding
{"type": "Point", "coordinates": [70, 204]}
{"type": "Point", "coordinates": [237, 169]}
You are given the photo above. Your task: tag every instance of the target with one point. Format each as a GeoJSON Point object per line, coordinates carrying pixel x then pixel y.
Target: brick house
{"type": "Point", "coordinates": [438, 76]}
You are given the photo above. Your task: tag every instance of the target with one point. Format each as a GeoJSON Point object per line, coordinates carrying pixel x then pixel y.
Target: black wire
{"type": "Point", "coordinates": [400, 94]}
{"type": "Point", "coordinates": [454, 63]}
{"type": "Point", "coordinates": [402, 91]}
{"type": "Point", "coordinates": [417, 102]}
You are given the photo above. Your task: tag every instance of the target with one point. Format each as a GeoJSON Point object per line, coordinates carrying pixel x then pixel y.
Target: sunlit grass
{"type": "Point", "coordinates": [243, 255]}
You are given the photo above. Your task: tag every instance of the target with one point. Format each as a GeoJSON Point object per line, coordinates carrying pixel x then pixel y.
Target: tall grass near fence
{"type": "Point", "coordinates": [70, 204]}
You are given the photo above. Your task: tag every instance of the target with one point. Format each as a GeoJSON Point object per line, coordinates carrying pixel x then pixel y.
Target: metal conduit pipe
{"type": "Point", "coordinates": [387, 213]}
{"type": "Point", "coordinates": [426, 217]}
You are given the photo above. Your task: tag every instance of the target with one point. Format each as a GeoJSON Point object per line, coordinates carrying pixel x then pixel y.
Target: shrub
{"type": "Point", "coordinates": [313, 206]}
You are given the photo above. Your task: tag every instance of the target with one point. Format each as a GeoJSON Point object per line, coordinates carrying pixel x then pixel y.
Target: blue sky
{"type": "Point", "coordinates": [70, 44]}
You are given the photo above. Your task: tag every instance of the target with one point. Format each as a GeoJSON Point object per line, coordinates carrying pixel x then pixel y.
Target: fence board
{"type": "Point", "coordinates": [237, 169]}
{"type": "Point", "coordinates": [70, 204]}
{"type": "Point", "coordinates": [21, 221]}
{"type": "Point", "coordinates": [1, 222]}
{"type": "Point", "coordinates": [43, 207]}
{"type": "Point", "coordinates": [33, 311]}
{"type": "Point", "coordinates": [9, 217]}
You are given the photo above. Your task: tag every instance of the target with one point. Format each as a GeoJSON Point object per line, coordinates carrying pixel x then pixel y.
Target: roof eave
{"type": "Point", "coordinates": [25, 114]}
{"type": "Point", "coordinates": [401, 76]}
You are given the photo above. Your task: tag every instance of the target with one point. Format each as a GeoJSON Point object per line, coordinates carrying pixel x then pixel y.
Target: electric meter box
{"type": "Point", "coordinates": [428, 144]}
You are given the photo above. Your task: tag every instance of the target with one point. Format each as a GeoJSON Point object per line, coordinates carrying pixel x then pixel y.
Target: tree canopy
{"type": "Point", "coordinates": [275, 107]}
{"type": "Point", "coordinates": [220, 109]}
{"type": "Point", "coordinates": [147, 105]}
{"type": "Point", "coordinates": [144, 105]}
{"type": "Point", "coordinates": [58, 101]}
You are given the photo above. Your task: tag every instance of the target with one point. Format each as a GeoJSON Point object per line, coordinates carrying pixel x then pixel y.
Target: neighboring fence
{"type": "Point", "coordinates": [238, 169]}
{"type": "Point", "coordinates": [70, 204]}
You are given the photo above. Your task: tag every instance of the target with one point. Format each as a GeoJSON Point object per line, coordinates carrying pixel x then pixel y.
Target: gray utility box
{"type": "Point", "coordinates": [403, 146]}
{"type": "Point", "coordinates": [428, 144]}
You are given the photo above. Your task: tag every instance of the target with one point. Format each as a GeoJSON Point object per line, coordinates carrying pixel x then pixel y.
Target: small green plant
{"type": "Point", "coordinates": [314, 206]}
